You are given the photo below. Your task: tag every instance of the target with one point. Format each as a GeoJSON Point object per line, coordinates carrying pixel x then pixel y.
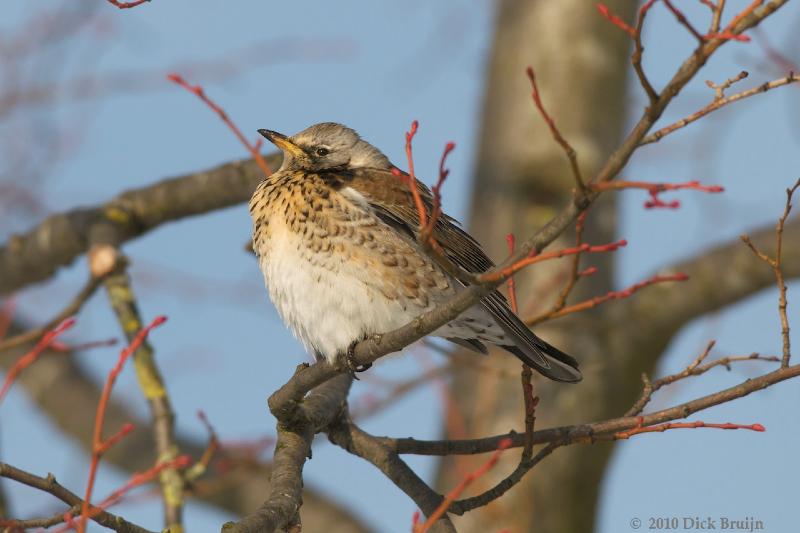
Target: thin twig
{"type": "Point", "coordinates": [100, 445]}
{"type": "Point", "coordinates": [33, 354]}
{"type": "Point", "coordinates": [570, 152]}
{"type": "Point", "coordinates": [70, 310]}
{"type": "Point", "coordinates": [623, 435]}
{"type": "Point", "coordinates": [782, 302]}
{"type": "Point", "coordinates": [775, 264]}
{"type": "Point", "coordinates": [589, 433]}
{"type": "Point", "coordinates": [462, 486]}
{"type": "Point", "coordinates": [12, 525]}
{"type": "Point", "coordinates": [684, 21]}
{"type": "Point", "coordinates": [720, 88]}
{"type": "Point", "coordinates": [716, 104]}
{"type": "Point", "coordinates": [591, 303]}
{"type": "Point", "coordinates": [253, 148]}
{"type": "Point", "coordinates": [695, 368]}
{"type": "Point", "coordinates": [529, 401]}
{"type": "Point", "coordinates": [500, 274]}
{"type": "Point", "coordinates": [51, 486]}
{"type": "Point", "coordinates": [716, 18]}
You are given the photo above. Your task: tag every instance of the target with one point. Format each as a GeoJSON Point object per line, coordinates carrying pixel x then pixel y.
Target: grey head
{"type": "Point", "coordinates": [326, 146]}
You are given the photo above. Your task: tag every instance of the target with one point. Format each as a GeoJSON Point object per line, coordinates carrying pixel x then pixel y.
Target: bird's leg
{"type": "Point", "coordinates": [350, 360]}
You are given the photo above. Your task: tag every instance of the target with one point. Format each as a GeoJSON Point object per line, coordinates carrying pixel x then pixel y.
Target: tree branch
{"type": "Point", "coordinates": [123, 302]}
{"type": "Point", "coordinates": [61, 238]}
{"type": "Point", "coordinates": [50, 485]}
{"type": "Point", "coordinates": [295, 435]}
{"type": "Point", "coordinates": [347, 435]}
{"type": "Point", "coordinates": [724, 275]}
{"type": "Point", "coordinates": [238, 490]}
{"type": "Point", "coordinates": [588, 433]}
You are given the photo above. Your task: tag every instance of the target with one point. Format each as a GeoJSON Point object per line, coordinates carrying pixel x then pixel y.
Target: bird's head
{"type": "Point", "coordinates": [326, 146]}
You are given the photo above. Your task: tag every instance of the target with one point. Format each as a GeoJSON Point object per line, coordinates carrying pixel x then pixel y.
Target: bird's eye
{"type": "Point", "coordinates": [322, 152]}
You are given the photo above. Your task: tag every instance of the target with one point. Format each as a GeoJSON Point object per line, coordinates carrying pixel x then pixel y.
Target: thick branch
{"type": "Point", "coordinates": [56, 242]}
{"type": "Point", "coordinates": [356, 441]}
{"type": "Point", "coordinates": [295, 436]}
{"type": "Point", "coordinates": [718, 278]}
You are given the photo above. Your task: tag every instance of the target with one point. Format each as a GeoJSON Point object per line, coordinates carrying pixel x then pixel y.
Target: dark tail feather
{"type": "Point", "coordinates": [558, 369]}
{"type": "Point", "coordinates": [530, 349]}
{"type": "Point", "coordinates": [470, 344]}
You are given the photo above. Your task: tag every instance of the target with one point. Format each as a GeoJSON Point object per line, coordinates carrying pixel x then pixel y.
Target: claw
{"type": "Point", "coordinates": [351, 364]}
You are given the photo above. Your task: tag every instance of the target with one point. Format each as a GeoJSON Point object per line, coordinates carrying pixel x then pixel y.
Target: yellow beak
{"type": "Point", "coordinates": [281, 141]}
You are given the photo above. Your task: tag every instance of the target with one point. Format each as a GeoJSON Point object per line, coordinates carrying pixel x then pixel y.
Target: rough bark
{"type": "Point", "coordinates": [522, 178]}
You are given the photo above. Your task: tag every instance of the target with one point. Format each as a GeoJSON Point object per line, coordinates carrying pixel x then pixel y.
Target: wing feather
{"type": "Point", "coordinates": [393, 203]}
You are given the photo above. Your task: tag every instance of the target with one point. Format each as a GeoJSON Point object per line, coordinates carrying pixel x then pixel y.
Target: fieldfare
{"type": "Point", "coordinates": [335, 233]}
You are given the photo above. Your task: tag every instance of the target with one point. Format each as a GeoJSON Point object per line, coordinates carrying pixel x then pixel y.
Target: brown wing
{"type": "Point", "coordinates": [392, 201]}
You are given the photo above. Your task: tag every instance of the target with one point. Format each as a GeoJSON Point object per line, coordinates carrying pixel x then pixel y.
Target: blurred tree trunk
{"type": "Point", "coordinates": [522, 178]}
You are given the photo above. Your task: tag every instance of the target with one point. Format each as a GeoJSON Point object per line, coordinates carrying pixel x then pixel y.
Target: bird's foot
{"type": "Point", "coordinates": [352, 365]}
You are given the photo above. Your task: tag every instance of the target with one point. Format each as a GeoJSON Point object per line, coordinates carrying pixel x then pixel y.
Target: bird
{"type": "Point", "coordinates": [335, 231]}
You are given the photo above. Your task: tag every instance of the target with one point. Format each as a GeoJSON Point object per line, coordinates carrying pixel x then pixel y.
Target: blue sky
{"type": "Point", "coordinates": [376, 67]}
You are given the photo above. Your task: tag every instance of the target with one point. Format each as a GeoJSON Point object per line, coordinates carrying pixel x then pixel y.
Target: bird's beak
{"type": "Point", "coordinates": [281, 141]}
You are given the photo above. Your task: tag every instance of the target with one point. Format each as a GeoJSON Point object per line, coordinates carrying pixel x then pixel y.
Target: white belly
{"type": "Point", "coordinates": [328, 300]}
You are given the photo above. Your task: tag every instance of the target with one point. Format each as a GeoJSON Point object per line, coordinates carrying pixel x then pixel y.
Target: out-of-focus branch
{"type": "Point", "coordinates": [238, 489]}
{"type": "Point", "coordinates": [101, 445]}
{"type": "Point", "coordinates": [253, 148]}
{"type": "Point", "coordinates": [71, 309]}
{"type": "Point", "coordinates": [717, 278]}
{"type": "Point", "coordinates": [61, 238]}
{"type": "Point", "coordinates": [126, 5]}
{"type": "Point", "coordinates": [123, 301]}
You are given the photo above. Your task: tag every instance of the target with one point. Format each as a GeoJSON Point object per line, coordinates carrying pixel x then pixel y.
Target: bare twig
{"type": "Point", "coordinates": [716, 17]}
{"type": "Point", "coordinates": [588, 433]}
{"type": "Point", "coordinates": [775, 263]}
{"type": "Point", "coordinates": [716, 104]}
{"type": "Point", "coordinates": [253, 148]}
{"type": "Point", "coordinates": [638, 48]}
{"type": "Point", "coordinates": [51, 486]}
{"type": "Point", "coordinates": [684, 21]}
{"type": "Point", "coordinates": [450, 499]}
{"type": "Point", "coordinates": [30, 523]}
{"type": "Point", "coordinates": [720, 88]}
{"type": "Point", "coordinates": [623, 435]}
{"type": "Point", "coordinates": [695, 368]}
{"type": "Point", "coordinates": [70, 310]}
{"type": "Point", "coordinates": [526, 376]}
{"type": "Point", "coordinates": [33, 354]}
{"type": "Point", "coordinates": [100, 445]}
{"type": "Point", "coordinates": [570, 152]}
{"type": "Point", "coordinates": [597, 300]}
